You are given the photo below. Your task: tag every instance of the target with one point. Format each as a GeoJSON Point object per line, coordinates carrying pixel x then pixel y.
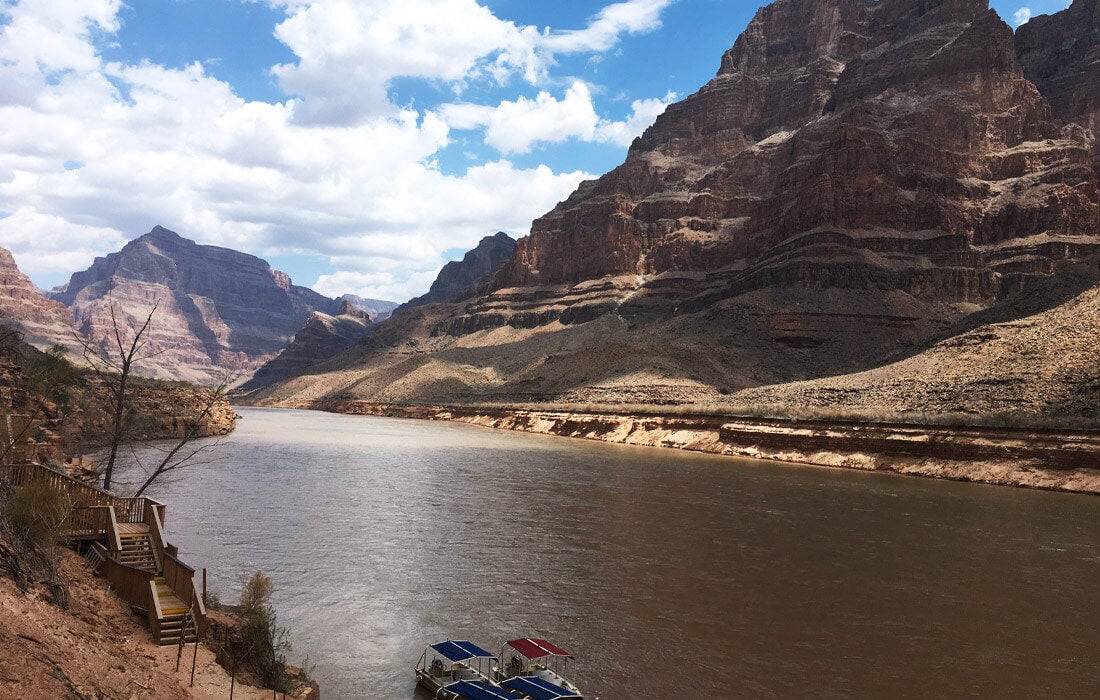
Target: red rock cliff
{"type": "Point", "coordinates": [893, 146]}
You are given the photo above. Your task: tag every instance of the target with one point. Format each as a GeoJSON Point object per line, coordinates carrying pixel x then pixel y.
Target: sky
{"type": "Point", "coordinates": [355, 144]}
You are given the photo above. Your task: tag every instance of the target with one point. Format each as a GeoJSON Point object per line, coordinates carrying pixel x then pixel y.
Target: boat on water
{"type": "Point", "coordinates": [477, 690]}
{"type": "Point", "coordinates": [536, 669]}
{"type": "Point", "coordinates": [533, 688]}
{"type": "Point", "coordinates": [446, 665]}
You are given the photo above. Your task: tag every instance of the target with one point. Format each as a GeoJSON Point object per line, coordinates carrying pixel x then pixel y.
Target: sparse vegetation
{"type": "Point", "coordinates": [31, 517]}
{"type": "Point", "coordinates": [264, 644]}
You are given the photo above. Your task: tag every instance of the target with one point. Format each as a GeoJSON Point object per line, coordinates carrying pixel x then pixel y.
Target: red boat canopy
{"type": "Point", "coordinates": [537, 648]}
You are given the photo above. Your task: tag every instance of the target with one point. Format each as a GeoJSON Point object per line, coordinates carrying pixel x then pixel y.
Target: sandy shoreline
{"type": "Point", "coordinates": [1032, 458]}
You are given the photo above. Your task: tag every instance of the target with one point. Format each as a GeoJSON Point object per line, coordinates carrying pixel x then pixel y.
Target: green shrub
{"type": "Point", "coordinates": [267, 643]}
{"type": "Point", "coordinates": [35, 513]}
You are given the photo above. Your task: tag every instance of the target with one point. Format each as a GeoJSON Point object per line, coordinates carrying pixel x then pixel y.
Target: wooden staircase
{"type": "Point", "coordinates": [126, 545]}
{"type": "Point", "coordinates": [177, 618]}
{"type": "Point", "coordinates": [137, 548]}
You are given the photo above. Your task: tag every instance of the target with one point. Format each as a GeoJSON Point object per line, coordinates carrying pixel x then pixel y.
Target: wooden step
{"type": "Point", "coordinates": [172, 626]}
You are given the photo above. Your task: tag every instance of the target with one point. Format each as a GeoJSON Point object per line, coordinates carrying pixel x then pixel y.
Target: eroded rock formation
{"type": "Point", "coordinates": [23, 307]}
{"type": "Point", "coordinates": [324, 336]}
{"type": "Point", "coordinates": [860, 181]}
{"type": "Point", "coordinates": [845, 144]}
{"type": "Point", "coordinates": [461, 278]}
{"type": "Point", "coordinates": [216, 309]}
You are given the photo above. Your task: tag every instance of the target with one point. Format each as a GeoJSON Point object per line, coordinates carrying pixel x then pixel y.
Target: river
{"type": "Point", "coordinates": [667, 575]}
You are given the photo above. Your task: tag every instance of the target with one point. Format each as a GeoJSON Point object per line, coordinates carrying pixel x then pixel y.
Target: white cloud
{"type": "Point", "coordinates": [1021, 16]}
{"type": "Point", "coordinates": [633, 17]}
{"type": "Point", "coordinates": [348, 52]}
{"type": "Point", "coordinates": [337, 172]}
{"type": "Point", "coordinates": [516, 126]}
{"type": "Point", "coordinates": [643, 115]}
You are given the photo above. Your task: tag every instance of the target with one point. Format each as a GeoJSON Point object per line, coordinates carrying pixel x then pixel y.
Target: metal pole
{"type": "Point", "coordinates": [195, 656]}
{"type": "Point", "coordinates": [204, 586]}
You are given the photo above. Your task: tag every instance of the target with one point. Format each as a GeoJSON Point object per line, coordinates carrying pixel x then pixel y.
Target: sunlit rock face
{"type": "Point", "coordinates": [43, 323]}
{"type": "Point", "coordinates": [861, 184]}
{"type": "Point", "coordinates": [324, 336]}
{"type": "Point", "coordinates": [217, 310]}
{"type": "Point", "coordinates": [1060, 54]}
{"type": "Point", "coordinates": [896, 147]}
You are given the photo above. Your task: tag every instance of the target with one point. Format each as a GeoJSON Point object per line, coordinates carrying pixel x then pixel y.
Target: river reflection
{"type": "Point", "coordinates": [668, 575]}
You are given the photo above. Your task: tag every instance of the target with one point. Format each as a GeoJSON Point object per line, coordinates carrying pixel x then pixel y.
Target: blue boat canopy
{"type": "Point", "coordinates": [538, 688]}
{"type": "Point", "coordinates": [461, 651]}
{"type": "Point", "coordinates": [478, 690]}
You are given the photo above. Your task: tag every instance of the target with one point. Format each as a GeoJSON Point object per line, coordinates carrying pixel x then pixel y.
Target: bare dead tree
{"type": "Point", "coordinates": [113, 365]}
{"type": "Point", "coordinates": [182, 452]}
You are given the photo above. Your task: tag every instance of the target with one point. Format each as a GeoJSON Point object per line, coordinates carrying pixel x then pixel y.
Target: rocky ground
{"type": "Point", "coordinates": [96, 649]}
{"type": "Point", "coordinates": [1042, 362]}
{"type": "Point", "coordinates": [1046, 364]}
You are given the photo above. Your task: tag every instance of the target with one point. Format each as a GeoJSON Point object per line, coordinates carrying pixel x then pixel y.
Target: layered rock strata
{"type": "Point", "coordinates": [218, 311]}
{"type": "Point", "coordinates": [43, 322]}
{"type": "Point", "coordinates": [859, 183]}
{"type": "Point", "coordinates": [890, 146]}
{"type": "Point", "coordinates": [324, 336]}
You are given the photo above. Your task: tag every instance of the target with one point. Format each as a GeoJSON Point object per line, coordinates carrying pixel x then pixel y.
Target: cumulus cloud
{"type": "Point", "coordinates": [348, 51]}
{"type": "Point", "coordinates": [95, 153]}
{"type": "Point", "coordinates": [606, 27]}
{"type": "Point", "coordinates": [1021, 16]}
{"type": "Point", "coordinates": [514, 126]}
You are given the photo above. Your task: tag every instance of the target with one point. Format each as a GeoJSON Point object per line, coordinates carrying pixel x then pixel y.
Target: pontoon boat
{"type": "Point", "coordinates": [444, 665]}
{"type": "Point", "coordinates": [542, 667]}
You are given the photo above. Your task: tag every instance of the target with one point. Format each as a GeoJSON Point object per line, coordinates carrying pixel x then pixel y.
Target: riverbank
{"type": "Point", "coordinates": [97, 648]}
{"type": "Point", "coordinates": [1051, 459]}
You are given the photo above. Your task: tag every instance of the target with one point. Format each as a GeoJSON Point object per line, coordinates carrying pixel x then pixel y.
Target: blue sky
{"type": "Point", "coordinates": [355, 145]}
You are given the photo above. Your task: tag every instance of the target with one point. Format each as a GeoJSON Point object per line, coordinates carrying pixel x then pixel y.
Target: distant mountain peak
{"type": "Point", "coordinates": [218, 309]}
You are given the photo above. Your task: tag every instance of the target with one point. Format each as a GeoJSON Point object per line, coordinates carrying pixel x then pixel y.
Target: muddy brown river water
{"type": "Point", "coordinates": [668, 575]}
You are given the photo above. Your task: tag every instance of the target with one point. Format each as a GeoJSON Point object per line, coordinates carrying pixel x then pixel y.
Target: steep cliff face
{"type": "Point", "coordinates": [216, 309]}
{"type": "Point", "coordinates": [847, 144]}
{"type": "Point", "coordinates": [459, 278]}
{"type": "Point", "coordinates": [43, 322]}
{"type": "Point", "coordinates": [324, 336]}
{"type": "Point", "coordinates": [1060, 54]}
{"type": "Point", "coordinates": [861, 180]}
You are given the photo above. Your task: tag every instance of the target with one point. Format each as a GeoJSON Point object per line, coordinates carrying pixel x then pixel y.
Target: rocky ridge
{"type": "Point", "coordinates": [43, 322]}
{"type": "Point", "coordinates": [324, 336]}
{"type": "Point", "coordinates": [460, 278]}
{"type": "Point", "coordinates": [217, 310]}
{"type": "Point", "coordinates": [844, 144]}
{"type": "Point", "coordinates": [859, 182]}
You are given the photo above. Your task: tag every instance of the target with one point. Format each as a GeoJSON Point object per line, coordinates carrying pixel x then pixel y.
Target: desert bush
{"type": "Point", "coordinates": [34, 514]}
{"type": "Point", "coordinates": [31, 518]}
{"type": "Point", "coordinates": [265, 643]}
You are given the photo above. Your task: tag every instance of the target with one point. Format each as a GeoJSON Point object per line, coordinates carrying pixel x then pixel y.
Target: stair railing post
{"type": "Point", "coordinates": [195, 656]}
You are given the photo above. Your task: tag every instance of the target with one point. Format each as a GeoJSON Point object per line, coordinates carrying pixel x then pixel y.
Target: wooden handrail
{"type": "Point", "coordinates": [127, 510]}
{"type": "Point", "coordinates": [113, 536]}
{"type": "Point", "coordinates": [155, 612]}
{"type": "Point", "coordinates": [91, 522]}
{"type": "Point", "coordinates": [102, 512]}
{"type": "Point", "coordinates": [181, 578]}
{"type": "Point", "coordinates": [156, 534]}
{"type": "Point", "coordinates": [130, 583]}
